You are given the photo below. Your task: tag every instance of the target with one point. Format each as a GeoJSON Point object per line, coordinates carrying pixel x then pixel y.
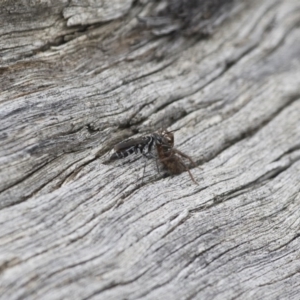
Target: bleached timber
{"type": "Point", "coordinates": [78, 78]}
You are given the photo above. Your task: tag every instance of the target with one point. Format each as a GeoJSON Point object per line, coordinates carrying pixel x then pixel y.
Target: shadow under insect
{"type": "Point", "coordinates": [162, 141]}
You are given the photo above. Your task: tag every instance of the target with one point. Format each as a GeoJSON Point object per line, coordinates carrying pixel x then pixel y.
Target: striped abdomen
{"type": "Point", "coordinates": [142, 145]}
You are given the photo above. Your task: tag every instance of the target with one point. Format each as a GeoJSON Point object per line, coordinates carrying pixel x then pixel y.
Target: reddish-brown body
{"type": "Point", "coordinates": [171, 158]}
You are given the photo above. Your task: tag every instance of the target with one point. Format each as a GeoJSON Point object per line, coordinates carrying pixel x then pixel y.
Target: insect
{"type": "Point", "coordinates": [143, 145]}
{"type": "Point", "coordinates": [171, 158]}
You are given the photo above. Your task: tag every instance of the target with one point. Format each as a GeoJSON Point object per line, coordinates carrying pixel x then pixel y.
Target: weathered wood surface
{"type": "Point", "coordinates": [79, 76]}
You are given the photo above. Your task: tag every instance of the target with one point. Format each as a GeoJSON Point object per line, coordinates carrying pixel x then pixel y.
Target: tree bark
{"type": "Point", "coordinates": [77, 77]}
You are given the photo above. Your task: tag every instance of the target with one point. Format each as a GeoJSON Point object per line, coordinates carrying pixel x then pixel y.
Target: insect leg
{"type": "Point", "coordinates": [144, 171]}
{"type": "Point", "coordinates": [157, 166]}
{"type": "Point", "coordinates": [188, 170]}
{"type": "Point", "coordinates": [185, 156]}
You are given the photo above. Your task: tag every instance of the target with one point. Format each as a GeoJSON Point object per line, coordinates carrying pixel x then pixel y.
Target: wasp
{"type": "Point", "coordinates": [163, 141]}
{"type": "Point", "coordinates": [143, 145]}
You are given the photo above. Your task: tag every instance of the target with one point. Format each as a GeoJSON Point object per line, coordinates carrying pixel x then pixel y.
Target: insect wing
{"type": "Point", "coordinates": [127, 144]}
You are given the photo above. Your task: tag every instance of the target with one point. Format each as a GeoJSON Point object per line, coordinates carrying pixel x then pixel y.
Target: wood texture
{"type": "Point", "coordinates": [79, 76]}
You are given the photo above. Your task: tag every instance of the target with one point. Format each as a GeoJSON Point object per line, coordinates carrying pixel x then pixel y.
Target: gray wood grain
{"type": "Point", "coordinates": [79, 76]}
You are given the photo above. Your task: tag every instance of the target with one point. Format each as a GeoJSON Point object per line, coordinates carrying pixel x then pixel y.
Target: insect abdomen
{"type": "Point", "coordinates": [142, 145]}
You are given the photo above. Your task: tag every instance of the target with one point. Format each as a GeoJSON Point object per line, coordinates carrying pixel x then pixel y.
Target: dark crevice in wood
{"type": "Point", "coordinates": [154, 179]}
{"type": "Point", "coordinates": [12, 203]}
{"type": "Point", "coordinates": [193, 259]}
{"type": "Point", "coordinates": [60, 219]}
{"type": "Point", "coordinates": [194, 296]}
{"type": "Point", "coordinates": [168, 63]}
{"type": "Point", "coordinates": [91, 129]}
{"type": "Point", "coordinates": [250, 132]}
{"type": "Point", "coordinates": [289, 276]}
{"type": "Point", "coordinates": [137, 187]}
{"type": "Point", "coordinates": [276, 213]}
{"type": "Point", "coordinates": [259, 182]}
{"type": "Point", "coordinates": [119, 283]}
{"type": "Point", "coordinates": [274, 173]}
{"type": "Point", "coordinates": [283, 246]}
{"type": "Point", "coordinates": [227, 67]}
{"type": "Point", "coordinates": [35, 192]}
{"type": "Point", "coordinates": [75, 172]}
{"type": "Point", "coordinates": [185, 244]}
{"type": "Point", "coordinates": [191, 17]}
{"type": "Point", "coordinates": [142, 215]}
{"type": "Point", "coordinates": [290, 151]}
